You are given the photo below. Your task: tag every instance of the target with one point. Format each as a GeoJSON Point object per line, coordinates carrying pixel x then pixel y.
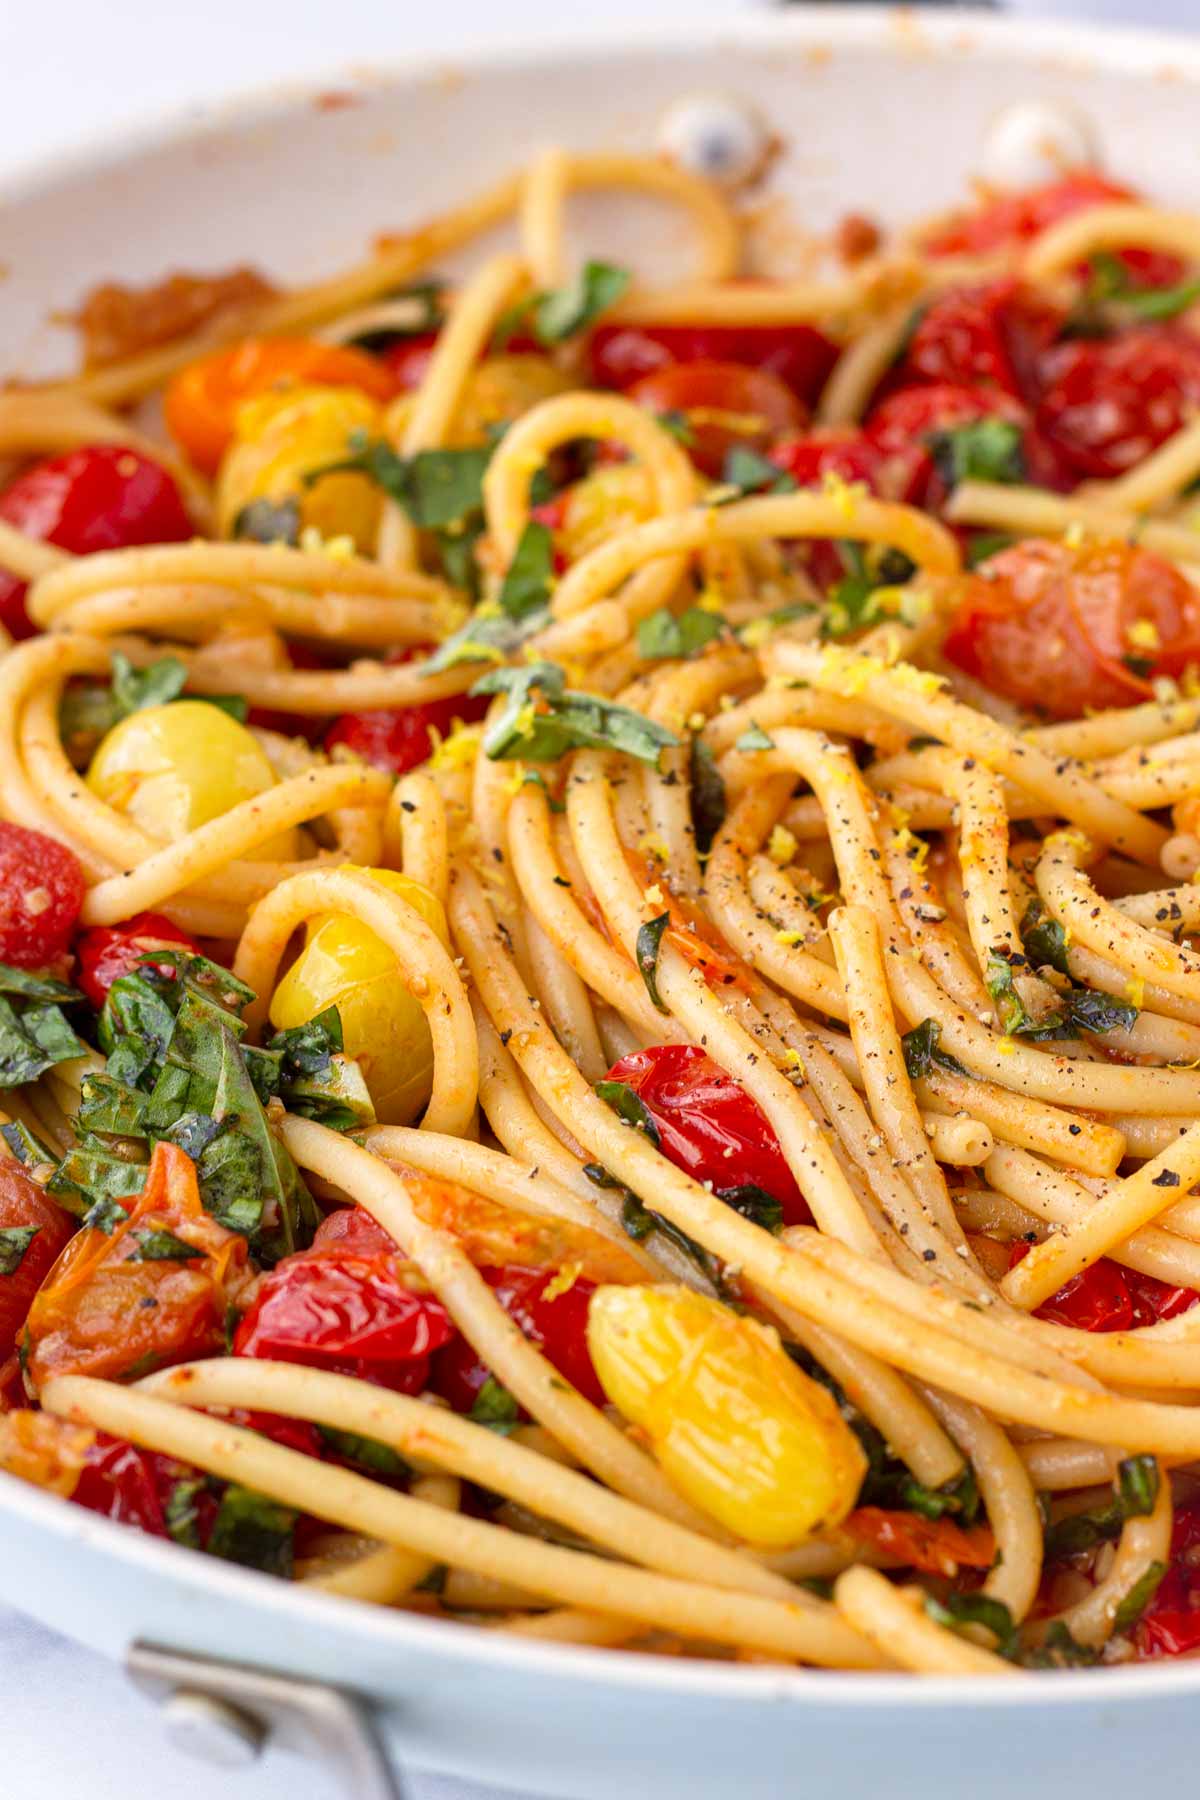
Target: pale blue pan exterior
{"type": "Point", "coordinates": [875, 113]}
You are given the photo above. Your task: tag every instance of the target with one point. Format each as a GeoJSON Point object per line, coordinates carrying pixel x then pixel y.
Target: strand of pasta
{"type": "Point", "coordinates": [792, 1631]}
{"type": "Point", "coordinates": [895, 1622]}
{"type": "Point", "coordinates": [385, 1573]}
{"type": "Point", "coordinates": [1034, 512]}
{"type": "Point", "coordinates": [1073, 240]}
{"type": "Point", "coordinates": [430, 1434]}
{"type": "Point", "coordinates": [1103, 927]}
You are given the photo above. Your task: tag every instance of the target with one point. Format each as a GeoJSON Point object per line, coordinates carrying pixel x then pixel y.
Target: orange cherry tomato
{"type": "Point", "coordinates": [202, 402]}
{"type": "Point", "coordinates": [153, 1290]}
{"type": "Point", "coordinates": [725, 404]}
{"type": "Point", "coordinates": [1064, 628]}
{"type": "Point", "coordinates": [934, 1546]}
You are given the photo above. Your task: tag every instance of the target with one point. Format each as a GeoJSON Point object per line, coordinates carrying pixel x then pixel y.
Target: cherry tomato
{"type": "Point", "coordinates": [1108, 402]}
{"type": "Point", "coordinates": [344, 1305]}
{"type": "Point", "coordinates": [1017, 217]}
{"type": "Point", "coordinates": [109, 951]}
{"type": "Point", "coordinates": [201, 403]}
{"type": "Point", "coordinates": [843, 451]}
{"type": "Point", "coordinates": [398, 739]}
{"type": "Point", "coordinates": [708, 1125]}
{"type": "Point", "coordinates": [409, 359]}
{"type": "Point", "coordinates": [102, 497]}
{"type": "Point", "coordinates": [23, 1204]}
{"type": "Point", "coordinates": [1170, 1625]}
{"type": "Point", "coordinates": [1106, 1297]}
{"type": "Point", "coordinates": [104, 1309]}
{"type": "Point", "coordinates": [41, 892]}
{"type": "Point", "coordinates": [1063, 629]}
{"type": "Point", "coordinates": [725, 405]}
{"type": "Point", "coordinates": [990, 336]}
{"type": "Point", "coordinates": [132, 1486]}
{"type": "Point", "coordinates": [900, 427]}
{"type": "Point", "coordinates": [798, 355]}
{"type": "Point", "coordinates": [935, 1546]}
{"type": "Point", "coordinates": [556, 1324]}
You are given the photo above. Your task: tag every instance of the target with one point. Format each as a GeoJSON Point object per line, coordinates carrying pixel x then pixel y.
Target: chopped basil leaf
{"type": "Point", "coordinates": [32, 1041]}
{"type": "Point", "coordinates": [14, 1242]}
{"type": "Point", "coordinates": [1044, 939]}
{"type": "Point", "coordinates": [309, 1049]}
{"type": "Point", "coordinates": [649, 942]}
{"type": "Point", "coordinates": [706, 795]}
{"type": "Point", "coordinates": [1112, 299]}
{"type": "Point", "coordinates": [1010, 1009]}
{"type": "Point", "coordinates": [544, 719]}
{"type": "Point", "coordinates": [1138, 1482]}
{"type": "Point", "coordinates": [1059, 1650]}
{"type": "Point", "coordinates": [564, 312]}
{"type": "Point", "coordinates": [920, 1046]}
{"type": "Point", "coordinates": [29, 1150]}
{"type": "Point", "coordinates": [1134, 1496]}
{"type": "Point", "coordinates": [436, 488]}
{"type": "Point", "coordinates": [366, 1453]}
{"type": "Point", "coordinates": [163, 1246]}
{"type": "Point", "coordinates": [496, 1408]}
{"type": "Point", "coordinates": [851, 605]}
{"type": "Point", "coordinates": [750, 473]}
{"type": "Point", "coordinates": [526, 586]}
{"type": "Point", "coordinates": [489, 636]}
{"type": "Point", "coordinates": [106, 1215]}
{"type": "Point", "coordinates": [677, 425]}
{"type": "Point", "coordinates": [663, 635]}
{"type": "Point", "coordinates": [426, 315]}
{"type": "Point", "coordinates": [628, 1106]}
{"type": "Point", "coordinates": [596, 1172]}
{"type": "Point", "coordinates": [135, 689]}
{"type": "Point", "coordinates": [1135, 1602]}
{"type": "Point", "coordinates": [181, 1513]}
{"type": "Point", "coordinates": [638, 1222]}
{"type": "Point", "coordinates": [754, 1203]}
{"type": "Point", "coordinates": [36, 987]}
{"type": "Point", "coordinates": [253, 1530]}
{"type": "Point", "coordinates": [269, 522]}
{"type": "Point", "coordinates": [985, 450]}
{"type": "Point", "coordinates": [754, 739]}
{"type": "Point", "coordinates": [954, 1611]}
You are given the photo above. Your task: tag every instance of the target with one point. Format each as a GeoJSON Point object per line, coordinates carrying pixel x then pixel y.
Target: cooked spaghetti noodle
{"type": "Point", "coordinates": [599, 1005]}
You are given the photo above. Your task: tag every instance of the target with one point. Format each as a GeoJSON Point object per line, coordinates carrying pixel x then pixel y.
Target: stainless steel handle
{"type": "Point", "coordinates": [227, 1713]}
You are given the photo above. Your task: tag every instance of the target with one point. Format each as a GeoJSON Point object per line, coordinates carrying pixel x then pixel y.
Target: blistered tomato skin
{"type": "Point", "coordinates": [798, 355]}
{"type": "Point", "coordinates": [1107, 403]}
{"type": "Point", "coordinates": [725, 405]}
{"type": "Point", "coordinates": [109, 951]}
{"type": "Point", "coordinates": [41, 891]}
{"type": "Point", "coordinates": [173, 768]}
{"type": "Point", "coordinates": [556, 1321]}
{"type": "Point", "coordinates": [24, 1205]}
{"type": "Point", "coordinates": [102, 497]}
{"type": "Point", "coordinates": [344, 964]}
{"type": "Point", "coordinates": [1063, 629]}
{"type": "Point", "coordinates": [735, 1426]}
{"type": "Point", "coordinates": [708, 1125]}
{"type": "Point", "coordinates": [397, 739]}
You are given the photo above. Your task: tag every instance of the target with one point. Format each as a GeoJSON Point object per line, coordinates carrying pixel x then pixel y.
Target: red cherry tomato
{"type": "Point", "coordinates": [989, 336]}
{"type": "Point", "coordinates": [725, 405]}
{"type": "Point", "coordinates": [1050, 625]}
{"type": "Point", "coordinates": [109, 951]}
{"type": "Point", "coordinates": [409, 359]}
{"type": "Point", "coordinates": [103, 1309]}
{"type": "Point", "coordinates": [23, 1204]}
{"type": "Point", "coordinates": [132, 1486]}
{"type": "Point", "coordinates": [400, 738]}
{"type": "Point", "coordinates": [104, 497]}
{"type": "Point", "coordinates": [799, 355]}
{"type": "Point", "coordinates": [935, 1546]}
{"type": "Point", "coordinates": [1017, 217]}
{"type": "Point", "coordinates": [900, 427]}
{"type": "Point", "coordinates": [845, 452]}
{"type": "Point", "coordinates": [1108, 402]}
{"type": "Point", "coordinates": [41, 892]}
{"type": "Point", "coordinates": [1106, 1297]}
{"type": "Point", "coordinates": [1170, 1625]}
{"type": "Point", "coordinates": [708, 1125]}
{"type": "Point", "coordinates": [558, 1326]}
{"type": "Point", "coordinates": [343, 1305]}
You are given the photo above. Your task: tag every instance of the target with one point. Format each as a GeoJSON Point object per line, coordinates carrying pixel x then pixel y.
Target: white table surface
{"type": "Point", "coordinates": [72, 1726]}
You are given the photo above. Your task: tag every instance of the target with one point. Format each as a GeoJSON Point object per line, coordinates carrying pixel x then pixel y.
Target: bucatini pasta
{"type": "Point", "coordinates": [599, 1005]}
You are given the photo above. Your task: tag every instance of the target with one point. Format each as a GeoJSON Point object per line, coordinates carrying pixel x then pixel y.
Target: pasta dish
{"type": "Point", "coordinates": [600, 929]}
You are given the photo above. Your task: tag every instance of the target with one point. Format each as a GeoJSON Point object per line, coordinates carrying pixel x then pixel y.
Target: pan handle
{"type": "Point", "coordinates": [227, 1713]}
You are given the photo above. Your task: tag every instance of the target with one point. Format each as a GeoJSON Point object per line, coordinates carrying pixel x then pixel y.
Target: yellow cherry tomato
{"type": "Point", "coordinates": [344, 964]}
{"type": "Point", "coordinates": [735, 1425]}
{"type": "Point", "coordinates": [609, 500]}
{"type": "Point", "coordinates": [283, 437]}
{"type": "Point", "coordinates": [173, 768]}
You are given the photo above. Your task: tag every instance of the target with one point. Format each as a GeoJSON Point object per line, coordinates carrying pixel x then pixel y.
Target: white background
{"type": "Point", "coordinates": [72, 1727]}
